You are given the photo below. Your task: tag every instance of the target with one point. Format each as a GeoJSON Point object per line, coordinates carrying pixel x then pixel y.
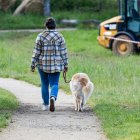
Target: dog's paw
{"type": "Point", "coordinates": [76, 109]}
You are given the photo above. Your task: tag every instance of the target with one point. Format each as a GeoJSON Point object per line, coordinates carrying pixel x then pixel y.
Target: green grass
{"type": "Point", "coordinates": [84, 15]}
{"type": "Point", "coordinates": [116, 99]}
{"type": "Point", "coordinates": [8, 21]}
{"type": "Point", "coordinates": [8, 102]}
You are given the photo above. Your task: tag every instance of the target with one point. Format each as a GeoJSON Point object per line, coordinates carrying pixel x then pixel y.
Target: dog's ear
{"type": "Point", "coordinates": [83, 81]}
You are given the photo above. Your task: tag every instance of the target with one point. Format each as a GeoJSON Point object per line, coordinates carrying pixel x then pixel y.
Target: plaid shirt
{"type": "Point", "coordinates": [50, 52]}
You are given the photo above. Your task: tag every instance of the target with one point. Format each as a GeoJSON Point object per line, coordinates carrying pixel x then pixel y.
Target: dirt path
{"type": "Point", "coordinates": [29, 122]}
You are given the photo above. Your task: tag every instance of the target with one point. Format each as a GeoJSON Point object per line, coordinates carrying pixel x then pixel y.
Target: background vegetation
{"type": "Point", "coordinates": [61, 9]}
{"type": "Point", "coordinates": [116, 99]}
{"type": "Point", "coordinates": [8, 103]}
{"type": "Point", "coordinates": [82, 5]}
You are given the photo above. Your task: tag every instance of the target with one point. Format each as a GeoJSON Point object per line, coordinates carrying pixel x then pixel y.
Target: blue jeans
{"type": "Point", "coordinates": [52, 80]}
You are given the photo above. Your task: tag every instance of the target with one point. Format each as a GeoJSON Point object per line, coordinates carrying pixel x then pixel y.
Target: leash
{"type": "Point", "coordinates": [65, 77]}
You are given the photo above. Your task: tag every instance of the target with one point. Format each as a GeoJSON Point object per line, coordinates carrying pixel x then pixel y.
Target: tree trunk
{"type": "Point", "coordinates": [30, 6]}
{"type": "Point", "coordinates": [21, 7]}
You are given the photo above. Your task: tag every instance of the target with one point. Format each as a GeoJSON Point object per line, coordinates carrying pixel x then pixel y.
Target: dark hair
{"type": "Point", "coordinates": [50, 23]}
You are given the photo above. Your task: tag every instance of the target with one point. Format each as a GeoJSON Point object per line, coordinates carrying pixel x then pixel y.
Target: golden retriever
{"type": "Point", "coordinates": [82, 88]}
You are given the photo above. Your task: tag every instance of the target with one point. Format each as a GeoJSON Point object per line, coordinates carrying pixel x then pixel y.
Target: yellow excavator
{"type": "Point", "coordinates": [121, 34]}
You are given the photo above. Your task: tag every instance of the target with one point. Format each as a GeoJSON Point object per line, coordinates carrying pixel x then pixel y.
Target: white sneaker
{"type": "Point", "coordinates": [52, 104]}
{"type": "Point", "coordinates": [45, 107]}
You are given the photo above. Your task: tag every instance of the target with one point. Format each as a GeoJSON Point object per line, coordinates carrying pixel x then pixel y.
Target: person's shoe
{"type": "Point", "coordinates": [52, 104]}
{"type": "Point", "coordinates": [45, 107]}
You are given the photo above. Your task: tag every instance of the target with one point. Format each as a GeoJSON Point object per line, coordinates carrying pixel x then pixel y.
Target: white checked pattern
{"type": "Point", "coordinates": [50, 52]}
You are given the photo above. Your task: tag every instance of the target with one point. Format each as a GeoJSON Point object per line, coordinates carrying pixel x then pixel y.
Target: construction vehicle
{"type": "Point", "coordinates": [121, 34]}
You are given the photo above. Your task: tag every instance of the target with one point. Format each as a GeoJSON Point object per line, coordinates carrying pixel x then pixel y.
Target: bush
{"type": "Point", "coordinates": [95, 5]}
{"type": "Point", "coordinates": [9, 5]}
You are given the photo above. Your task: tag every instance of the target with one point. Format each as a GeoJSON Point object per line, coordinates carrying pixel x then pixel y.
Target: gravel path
{"type": "Point", "coordinates": [29, 122]}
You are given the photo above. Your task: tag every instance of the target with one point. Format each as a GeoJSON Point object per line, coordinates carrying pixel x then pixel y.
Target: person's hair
{"type": "Point", "coordinates": [50, 23]}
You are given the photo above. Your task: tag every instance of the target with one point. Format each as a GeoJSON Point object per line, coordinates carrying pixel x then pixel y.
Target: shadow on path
{"type": "Point", "coordinates": [29, 122]}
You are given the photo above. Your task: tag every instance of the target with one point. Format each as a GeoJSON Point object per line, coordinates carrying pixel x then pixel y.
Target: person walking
{"type": "Point", "coordinates": [50, 57]}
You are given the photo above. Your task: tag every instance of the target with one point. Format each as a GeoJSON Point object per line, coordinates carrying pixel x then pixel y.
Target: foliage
{"type": "Point", "coordinates": [8, 102]}
{"type": "Point", "coordinates": [63, 9]}
{"type": "Point", "coordinates": [80, 5]}
{"type": "Point", "coordinates": [15, 5]}
{"type": "Point", "coordinates": [8, 21]}
{"type": "Point", "coordinates": [9, 5]}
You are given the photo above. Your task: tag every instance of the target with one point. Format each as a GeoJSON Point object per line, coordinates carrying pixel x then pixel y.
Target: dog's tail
{"type": "Point", "coordinates": [88, 90]}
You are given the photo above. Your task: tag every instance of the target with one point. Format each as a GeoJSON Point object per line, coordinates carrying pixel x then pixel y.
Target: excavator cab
{"type": "Point", "coordinates": [132, 16]}
{"type": "Point", "coordinates": [121, 34]}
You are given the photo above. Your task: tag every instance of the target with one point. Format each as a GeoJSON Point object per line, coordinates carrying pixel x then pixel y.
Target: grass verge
{"type": "Point", "coordinates": [116, 99]}
{"type": "Point", "coordinates": [8, 103]}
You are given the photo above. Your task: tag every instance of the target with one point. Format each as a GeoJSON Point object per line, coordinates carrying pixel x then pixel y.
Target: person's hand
{"type": "Point", "coordinates": [32, 68]}
{"type": "Point", "coordinates": [65, 68]}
